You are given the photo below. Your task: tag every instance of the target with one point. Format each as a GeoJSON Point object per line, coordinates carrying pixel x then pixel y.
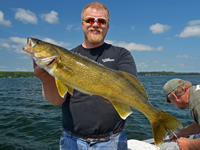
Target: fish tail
{"type": "Point", "coordinates": [164, 123]}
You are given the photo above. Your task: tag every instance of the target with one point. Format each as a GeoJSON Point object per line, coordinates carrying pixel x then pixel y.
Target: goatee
{"type": "Point", "coordinates": [95, 38]}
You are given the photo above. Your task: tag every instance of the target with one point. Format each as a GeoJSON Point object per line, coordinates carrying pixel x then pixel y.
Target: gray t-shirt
{"type": "Point", "coordinates": [194, 103]}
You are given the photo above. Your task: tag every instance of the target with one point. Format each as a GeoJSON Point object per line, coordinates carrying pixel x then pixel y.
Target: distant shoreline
{"type": "Point", "coordinates": [22, 74]}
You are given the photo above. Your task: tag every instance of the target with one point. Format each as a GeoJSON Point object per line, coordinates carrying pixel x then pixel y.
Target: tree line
{"type": "Point", "coordinates": [16, 74]}
{"type": "Point", "coordinates": [22, 74]}
{"type": "Point", "coordinates": [164, 73]}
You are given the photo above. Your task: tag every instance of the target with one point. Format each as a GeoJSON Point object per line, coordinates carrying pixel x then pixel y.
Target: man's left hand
{"type": "Point", "coordinates": [183, 143]}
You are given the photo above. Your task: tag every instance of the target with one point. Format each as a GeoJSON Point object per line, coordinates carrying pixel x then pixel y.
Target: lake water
{"type": "Point", "coordinates": [28, 121]}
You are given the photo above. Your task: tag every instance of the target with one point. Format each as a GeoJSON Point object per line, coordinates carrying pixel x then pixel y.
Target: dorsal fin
{"type": "Point", "coordinates": [84, 57]}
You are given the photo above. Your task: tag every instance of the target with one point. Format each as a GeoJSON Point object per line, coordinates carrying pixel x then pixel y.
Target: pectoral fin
{"type": "Point", "coordinates": [63, 88]}
{"type": "Point", "coordinates": [123, 110]}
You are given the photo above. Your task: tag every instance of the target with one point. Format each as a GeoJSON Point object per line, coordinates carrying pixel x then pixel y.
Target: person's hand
{"type": "Point", "coordinates": [183, 143]}
{"type": "Point", "coordinates": [173, 137]}
{"type": "Point", "coordinates": [106, 100]}
{"type": "Point", "coordinates": [42, 74]}
{"type": "Point", "coordinates": [38, 71]}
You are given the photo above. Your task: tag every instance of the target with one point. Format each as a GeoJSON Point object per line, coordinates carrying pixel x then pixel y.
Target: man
{"type": "Point", "coordinates": [183, 95]}
{"type": "Point", "coordinates": [88, 121]}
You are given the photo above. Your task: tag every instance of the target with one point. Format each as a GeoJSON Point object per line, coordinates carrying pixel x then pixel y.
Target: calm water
{"type": "Point", "coordinates": [28, 121]}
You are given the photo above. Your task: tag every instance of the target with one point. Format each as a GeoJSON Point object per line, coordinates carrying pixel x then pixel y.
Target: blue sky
{"type": "Point", "coordinates": [162, 35]}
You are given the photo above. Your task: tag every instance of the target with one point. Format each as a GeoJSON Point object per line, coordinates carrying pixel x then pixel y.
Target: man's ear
{"type": "Point", "coordinates": [175, 96]}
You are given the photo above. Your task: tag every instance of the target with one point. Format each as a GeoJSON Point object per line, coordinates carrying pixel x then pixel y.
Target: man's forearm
{"type": "Point", "coordinates": [194, 144]}
{"type": "Point", "coordinates": [189, 130]}
{"type": "Point", "coordinates": [50, 92]}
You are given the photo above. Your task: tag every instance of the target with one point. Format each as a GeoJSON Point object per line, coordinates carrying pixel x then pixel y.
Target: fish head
{"type": "Point", "coordinates": [44, 54]}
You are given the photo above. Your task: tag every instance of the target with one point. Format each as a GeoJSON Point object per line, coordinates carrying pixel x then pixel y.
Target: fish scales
{"type": "Point", "coordinates": [100, 80]}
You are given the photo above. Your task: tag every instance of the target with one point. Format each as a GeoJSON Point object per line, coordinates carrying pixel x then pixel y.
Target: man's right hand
{"type": "Point", "coordinates": [173, 136]}
{"type": "Point", "coordinates": [39, 72]}
{"type": "Point", "coordinates": [50, 91]}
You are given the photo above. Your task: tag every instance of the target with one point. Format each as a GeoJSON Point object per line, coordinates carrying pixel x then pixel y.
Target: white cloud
{"type": "Point", "coordinates": [21, 42]}
{"type": "Point", "coordinates": [6, 45]}
{"type": "Point", "coordinates": [78, 28]}
{"type": "Point", "coordinates": [110, 42]}
{"type": "Point", "coordinates": [15, 43]}
{"type": "Point", "coordinates": [2, 67]}
{"type": "Point", "coordinates": [164, 65]}
{"type": "Point", "coordinates": [26, 16]}
{"type": "Point", "coordinates": [56, 43]}
{"type": "Point", "coordinates": [25, 57]}
{"type": "Point", "coordinates": [181, 65]}
{"type": "Point", "coordinates": [69, 27]}
{"type": "Point", "coordinates": [159, 28]}
{"type": "Point", "coordinates": [183, 56]}
{"type": "Point", "coordinates": [191, 31]}
{"type": "Point", "coordinates": [21, 69]}
{"type": "Point", "coordinates": [143, 65]}
{"type": "Point", "coordinates": [18, 43]}
{"type": "Point", "coordinates": [18, 48]}
{"type": "Point", "coordinates": [133, 46]}
{"type": "Point", "coordinates": [155, 61]}
{"type": "Point", "coordinates": [4, 22]}
{"type": "Point", "coordinates": [194, 22]}
{"type": "Point", "coordinates": [18, 40]}
{"type": "Point", "coordinates": [51, 17]}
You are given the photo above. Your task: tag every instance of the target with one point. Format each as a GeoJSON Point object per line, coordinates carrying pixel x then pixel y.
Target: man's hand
{"type": "Point", "coordinates": [183, 143]}
{"type": "Point", "coordinates": [173, 137]}
{"type": "Point", "coordinates": [49, 88]}
{"type": "Point", "coordinates": [39, 72]}
{"type": "Point", "coordinates": [42, 74]}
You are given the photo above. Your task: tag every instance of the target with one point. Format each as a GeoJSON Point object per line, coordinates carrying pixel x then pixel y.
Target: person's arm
{"type": "Point", "coordinates": [186, 131]}
{"type": "Point", "coordinates": [189, 130]}
{"type": "Point", "coordinates": [49, 88]}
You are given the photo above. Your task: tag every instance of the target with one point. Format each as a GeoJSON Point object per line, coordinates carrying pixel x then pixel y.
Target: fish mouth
{"type": "Point", "coordinates": [28, 47]}
{"type": "Point", "coordinates": [47, 61]}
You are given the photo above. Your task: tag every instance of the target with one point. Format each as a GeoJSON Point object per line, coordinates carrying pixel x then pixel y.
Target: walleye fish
{"type": "Point", "coordinates": [74, 71]}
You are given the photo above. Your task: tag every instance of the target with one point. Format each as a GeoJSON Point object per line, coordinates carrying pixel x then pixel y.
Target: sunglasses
{"type": "Point", "coordinates": [91, 20]}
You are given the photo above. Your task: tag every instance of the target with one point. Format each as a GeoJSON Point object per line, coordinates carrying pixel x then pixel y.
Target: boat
{"type": "Point", "coordinates": [149, 144]}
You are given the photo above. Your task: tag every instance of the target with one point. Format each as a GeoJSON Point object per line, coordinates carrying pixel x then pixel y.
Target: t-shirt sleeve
{"type": "Point", "coordinates": [126, 62]}
{"type": "Point", "coordinates": [196, 114]}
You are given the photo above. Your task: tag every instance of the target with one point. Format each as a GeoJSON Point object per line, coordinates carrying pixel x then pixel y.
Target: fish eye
{"type": "Point", "coordinates": [39, 42]}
